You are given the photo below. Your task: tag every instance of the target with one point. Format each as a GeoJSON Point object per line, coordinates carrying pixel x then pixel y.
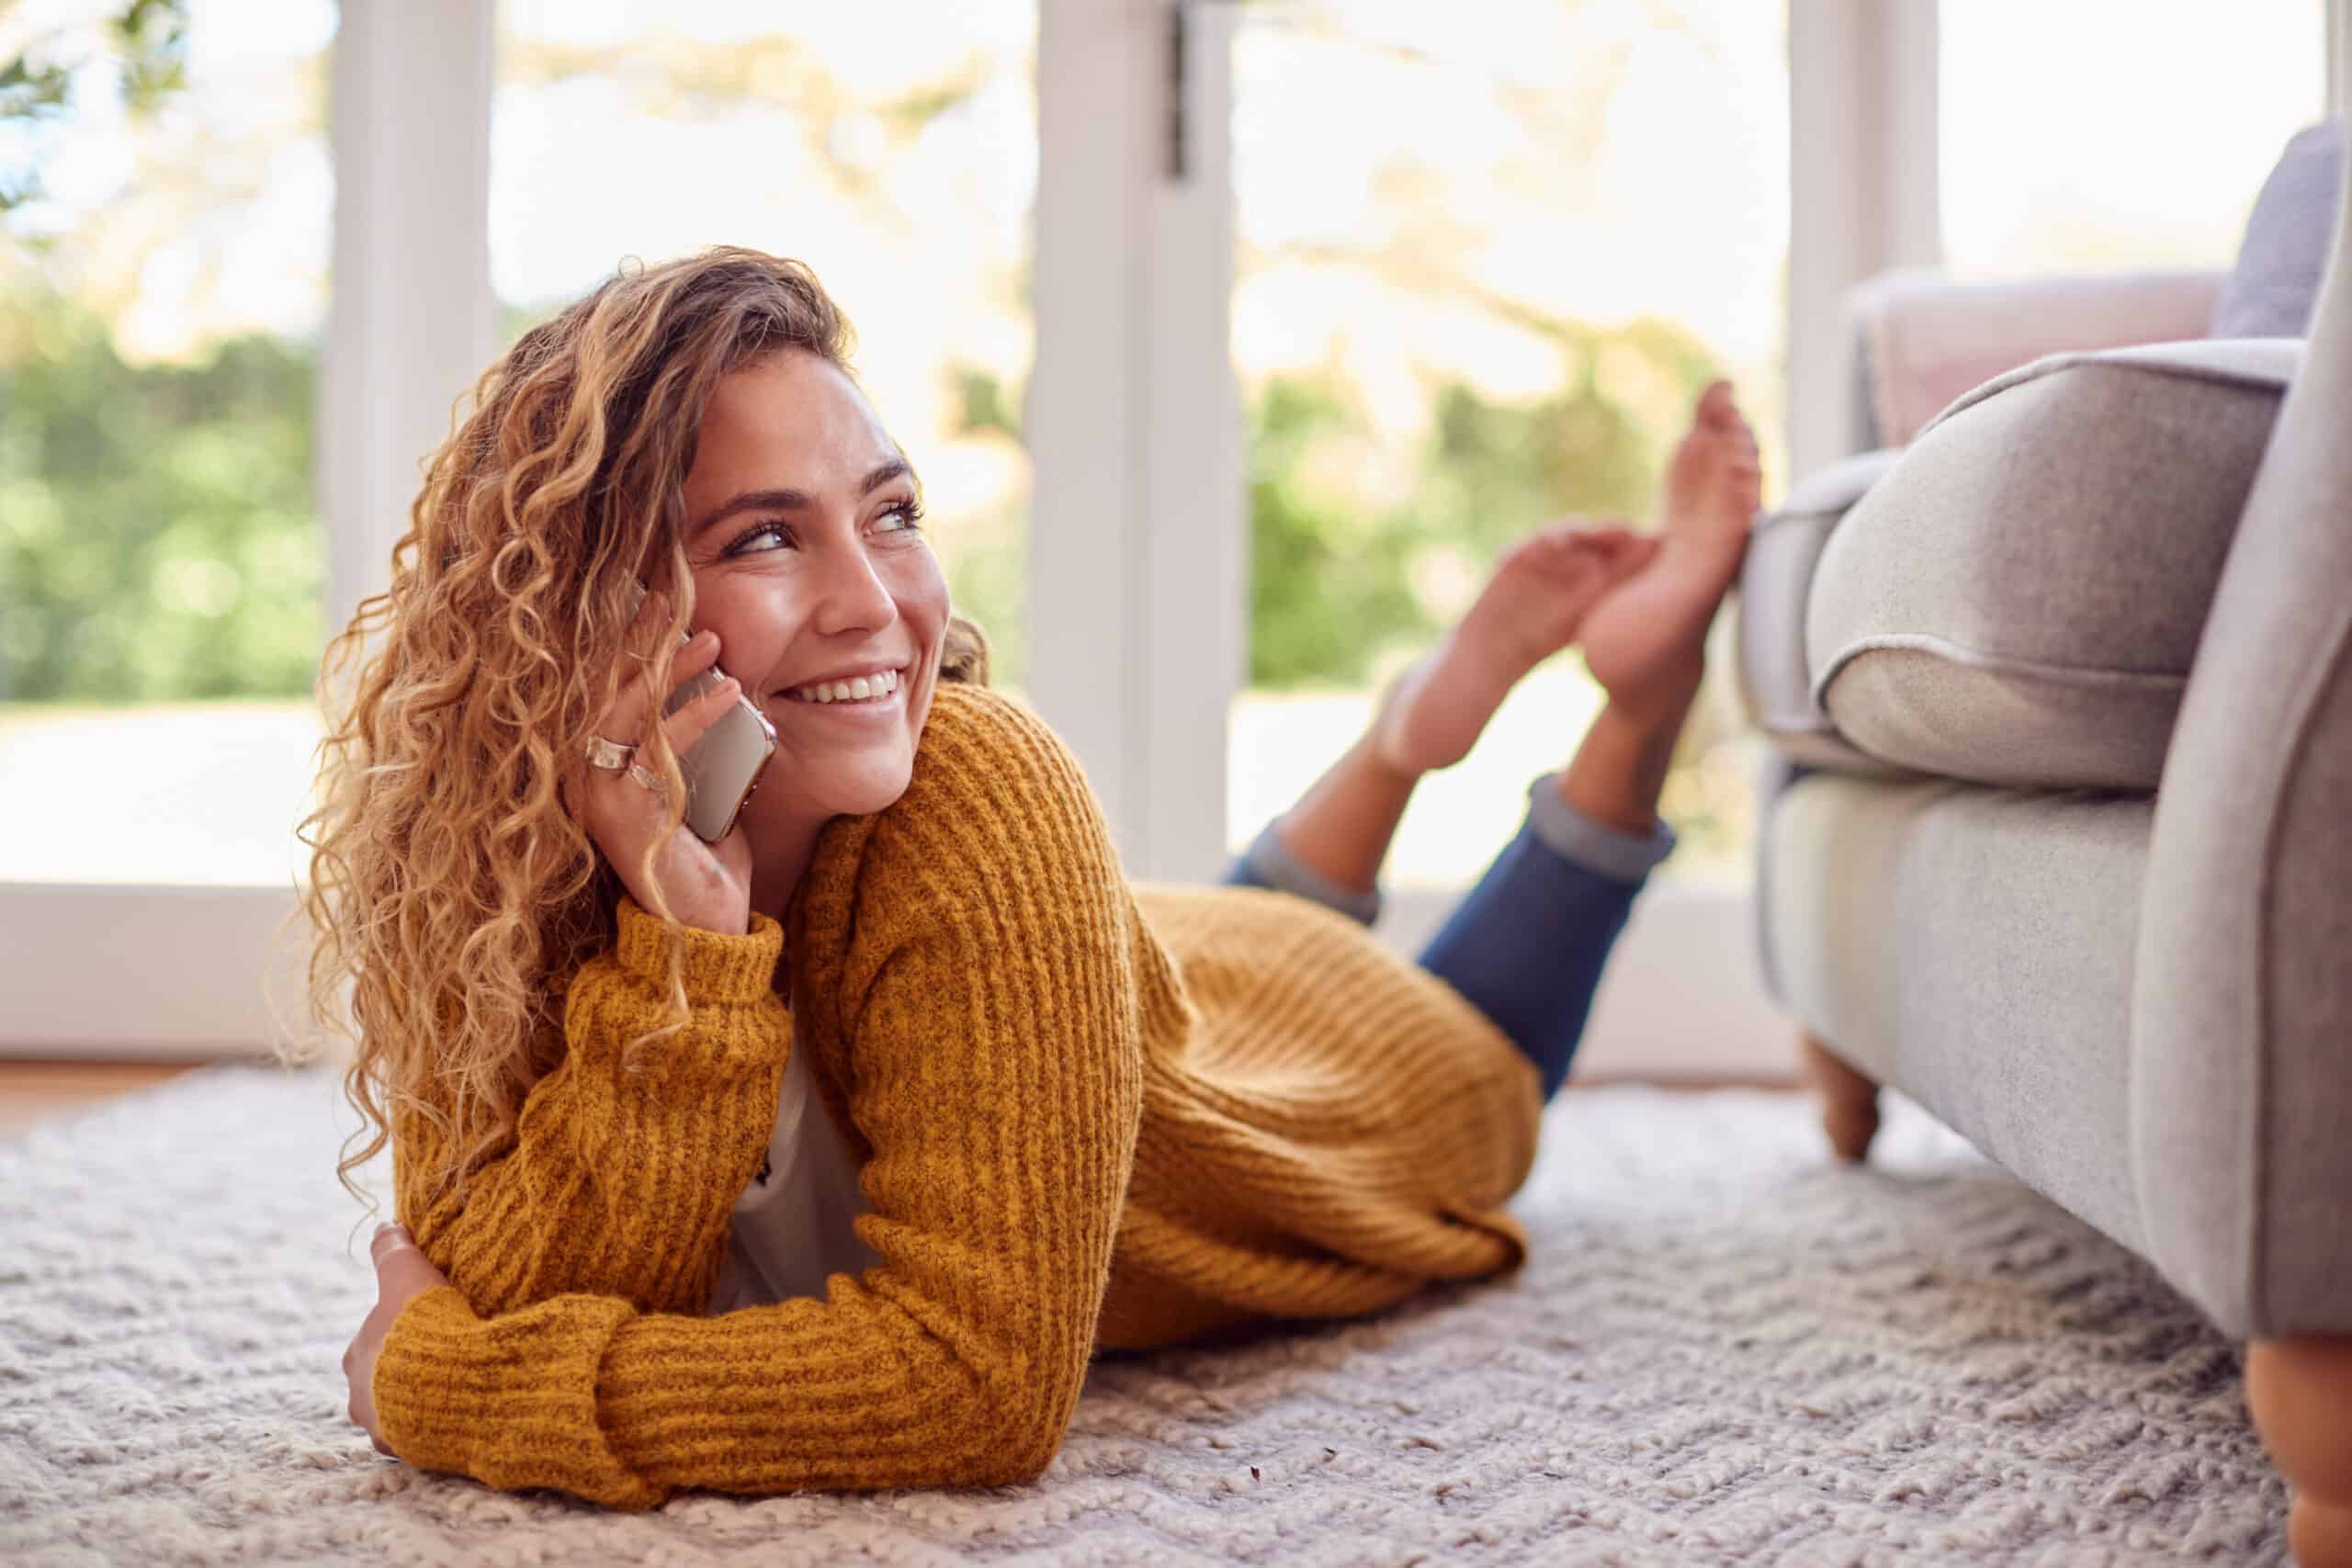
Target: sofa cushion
{"type": "Point", "coordinates": [2019, 600]}
{"type": "Point", "coordinates": [2271, 290]}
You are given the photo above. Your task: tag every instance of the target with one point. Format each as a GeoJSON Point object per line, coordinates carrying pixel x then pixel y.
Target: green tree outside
{"type": "Point", "coordinates": [158, 538]}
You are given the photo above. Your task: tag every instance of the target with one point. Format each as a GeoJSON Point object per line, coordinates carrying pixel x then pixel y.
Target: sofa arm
{"type": "Point", "coordinates": [2241, 1073]}
{"type": "Point", "coordinates": [1775, 589]}
{"type": "Point", "coordinates": [1923, 338]}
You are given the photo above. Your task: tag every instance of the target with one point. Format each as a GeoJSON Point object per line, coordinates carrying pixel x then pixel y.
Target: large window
{"type": "Point", "coordinates": [163, 283]}
{"type": "Point", "coordinates": [898, 161]}
{"type": "Point", "coordinates": [1482, 258]}
{"type": "Point", "coordinates": [1487, 256]}
{"type": "Point", "coordinates": [2096, 136]}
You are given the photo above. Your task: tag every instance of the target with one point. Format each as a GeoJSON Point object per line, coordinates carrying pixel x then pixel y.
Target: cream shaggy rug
{"type": "Point", "coordinates": [1724, 1348]}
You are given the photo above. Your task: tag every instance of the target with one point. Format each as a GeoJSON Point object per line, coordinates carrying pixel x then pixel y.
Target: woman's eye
{"type": "Point", "coordinates": [907, 515]}
{"type": "Point", "coordinates": [776, 531]}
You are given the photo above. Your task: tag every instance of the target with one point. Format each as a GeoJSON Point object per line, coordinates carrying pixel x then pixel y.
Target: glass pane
{"type": "Point", "coordinates": [1486, 258]}
{"type": "Point", "coordinates": [895, 154]}
{"type": "Point", "coordinates": [2117, 141]}
{"type": "Point", "coordinates": [166, 217]}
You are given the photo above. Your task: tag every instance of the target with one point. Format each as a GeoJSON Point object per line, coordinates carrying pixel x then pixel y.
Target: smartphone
{"type": "Point", "coordinates": [725, 767]}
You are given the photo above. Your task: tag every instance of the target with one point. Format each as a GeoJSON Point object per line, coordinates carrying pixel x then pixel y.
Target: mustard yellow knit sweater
{"type": "Point", "coordinates": [1088, 1115]}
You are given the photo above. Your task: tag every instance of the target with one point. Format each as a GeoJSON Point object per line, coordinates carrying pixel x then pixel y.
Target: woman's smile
{"type": "Point", "coordinates": [875, 686]}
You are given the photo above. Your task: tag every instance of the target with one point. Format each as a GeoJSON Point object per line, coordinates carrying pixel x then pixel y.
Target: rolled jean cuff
{"type": "Point", "coordinates": [1574, 836]}
{"type": "Point", "coordinates": [1270, 865]}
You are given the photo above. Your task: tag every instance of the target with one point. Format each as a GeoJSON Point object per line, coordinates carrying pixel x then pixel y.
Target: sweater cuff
{"type": "Point", "coordinates": [510, 1401]}
{"type": "Point", "coordinates": [718, 968]}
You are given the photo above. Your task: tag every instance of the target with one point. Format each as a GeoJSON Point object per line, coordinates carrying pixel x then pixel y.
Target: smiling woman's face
{"type": "Point", "coordinates": [807, 562]}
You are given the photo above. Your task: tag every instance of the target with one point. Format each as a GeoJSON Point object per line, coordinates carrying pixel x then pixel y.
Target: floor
{"type": "Point", "coordinates": [1725, 1348]}
{"type": "Point", "coordinates": [31, 1091]}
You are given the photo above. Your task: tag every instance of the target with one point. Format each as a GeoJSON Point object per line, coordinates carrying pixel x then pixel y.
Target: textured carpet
{"type": "Point", "coordinates": [1724, 1348]}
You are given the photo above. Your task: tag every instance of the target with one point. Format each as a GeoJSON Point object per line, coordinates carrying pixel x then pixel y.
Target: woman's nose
{"type": "Point", "coordinates": [851, 596]}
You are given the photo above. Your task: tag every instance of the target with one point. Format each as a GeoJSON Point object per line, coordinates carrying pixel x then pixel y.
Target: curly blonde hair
{"type": "Point", "coordinates": [450, 889]}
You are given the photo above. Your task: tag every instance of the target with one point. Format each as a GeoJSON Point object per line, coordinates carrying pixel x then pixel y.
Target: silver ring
{"type": "Point", "coordinates": [646, 776]}
{"type": "Point", "coordinates": [608, 754]}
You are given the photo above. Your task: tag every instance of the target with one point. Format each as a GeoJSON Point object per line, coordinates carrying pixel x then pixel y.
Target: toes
{"type": "Point", "coordinates": [1559, 546]}
{"type": "Point", "coordinates": [1541, 549]}
{"type": "Point", "coordinates": [1561, 529]}
{"type": "Point", "coordinates": [1628, 552]}
{"type": "Point", "coordinates": [1589, 530]}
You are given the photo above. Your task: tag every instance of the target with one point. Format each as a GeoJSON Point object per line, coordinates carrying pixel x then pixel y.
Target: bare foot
{"type": "Point", "coordinates": [1530, 609]}
{"type": "Point", "coordinates": [1646, 638]}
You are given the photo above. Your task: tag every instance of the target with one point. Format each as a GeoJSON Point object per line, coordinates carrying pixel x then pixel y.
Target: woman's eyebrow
{"type": "Point", "coordinates": [797, 500]}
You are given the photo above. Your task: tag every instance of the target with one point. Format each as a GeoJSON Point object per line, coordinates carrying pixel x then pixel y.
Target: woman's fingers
{"type": "Point", "coordinates": [391, 1241]}
{"type": "Point", "coordinates": [685, 726]}
{"type": "Point", "coordinates": [401, 1268]}
{"type": "Point", "coordinates": [627, 722]}
{"type": "Point", "coordinates": [624, 721]}
{"type": "Point", "coordinates": [690, 723]}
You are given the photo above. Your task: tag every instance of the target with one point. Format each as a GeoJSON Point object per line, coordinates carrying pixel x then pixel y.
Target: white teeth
{"type": "Point", "coordinates": [858, 688]}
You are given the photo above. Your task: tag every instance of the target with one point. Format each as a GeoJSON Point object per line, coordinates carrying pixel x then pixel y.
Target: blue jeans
{"type": "Point", "coordinates": [1526, 945]}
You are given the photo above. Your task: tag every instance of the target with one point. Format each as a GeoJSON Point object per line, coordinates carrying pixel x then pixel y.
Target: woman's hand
{"type": "Point", "coordinates": [708, 884]}
{"type": "Point", "coordinates": [403, 1273]}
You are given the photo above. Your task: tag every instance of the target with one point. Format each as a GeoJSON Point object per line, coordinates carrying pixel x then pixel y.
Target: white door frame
{"type": "Point", "coordinates": [1137, 593]}
{"type": "Point", "coordinates": [177, 971]}
{"type": "Point", "coordinates": [1864, 193]}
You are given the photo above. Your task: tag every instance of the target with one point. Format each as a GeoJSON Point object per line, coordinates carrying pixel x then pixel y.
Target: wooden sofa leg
{"type": "Point", "coordinates": [2301, 1394]}
{"type": "Point", "coordinates": [1849, 1100]}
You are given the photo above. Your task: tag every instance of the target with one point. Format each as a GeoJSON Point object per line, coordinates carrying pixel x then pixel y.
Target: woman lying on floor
{"type": "Point", "coordinates": [1066, 1114]}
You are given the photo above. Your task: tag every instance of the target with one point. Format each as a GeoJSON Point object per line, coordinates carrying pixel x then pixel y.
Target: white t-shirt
{"type": "Point", "coordinates": [792, 1225]}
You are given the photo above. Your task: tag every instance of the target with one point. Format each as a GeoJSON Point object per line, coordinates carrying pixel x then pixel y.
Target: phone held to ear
{"type": "Point", "coordinates": [725, 765]}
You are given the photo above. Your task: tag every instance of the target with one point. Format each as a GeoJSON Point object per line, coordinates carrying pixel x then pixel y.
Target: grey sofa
{"type": "Point", "coordinates": [2061, 843]}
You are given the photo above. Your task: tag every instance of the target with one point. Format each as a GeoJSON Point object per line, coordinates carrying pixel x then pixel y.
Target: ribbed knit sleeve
{"type": "Point", "coordinates": [618, 1182]}
{"type": "Point", "coordinates": [978, 982]}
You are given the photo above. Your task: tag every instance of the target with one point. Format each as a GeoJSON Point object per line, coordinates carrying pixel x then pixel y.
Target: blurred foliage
{"type": "Point", "coordinates": [148, 45]}
{"type": "Point", "coordinates": [1329, 585]}
{"type": "Point", "coordinates": [157, 536]}
{"type": "Point", "coordinates": [1337, 578]}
